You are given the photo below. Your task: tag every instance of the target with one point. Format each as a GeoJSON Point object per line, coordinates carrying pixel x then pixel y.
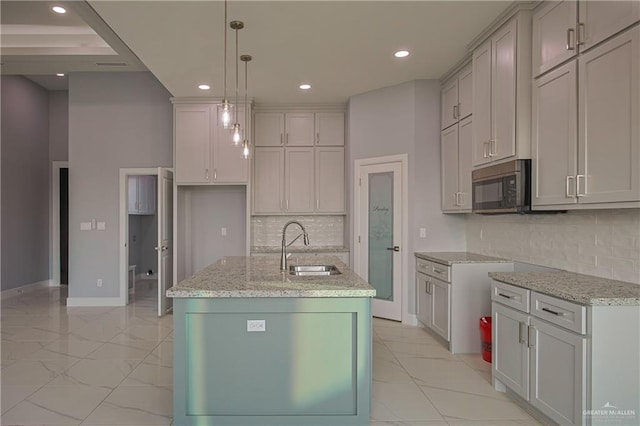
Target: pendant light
{"type": "Point", "coordinates": [245, 143]}
{"type": "Point", "coordinates": [237, 135]}
{"type": "Point", "coordinates": [225, 108]}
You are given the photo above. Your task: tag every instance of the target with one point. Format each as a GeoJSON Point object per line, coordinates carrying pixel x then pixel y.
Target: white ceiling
{"type": "Point", "coordinates": [342, 48]}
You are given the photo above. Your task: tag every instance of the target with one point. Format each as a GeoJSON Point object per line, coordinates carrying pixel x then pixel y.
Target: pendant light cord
{"type": "Point", "coordinates": [225, 50]}
{"type": "Point", "coordinates": [236, 109]}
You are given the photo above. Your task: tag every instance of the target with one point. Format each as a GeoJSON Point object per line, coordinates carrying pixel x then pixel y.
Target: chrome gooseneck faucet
{"type": "Point", "coordinates": [283, 253]}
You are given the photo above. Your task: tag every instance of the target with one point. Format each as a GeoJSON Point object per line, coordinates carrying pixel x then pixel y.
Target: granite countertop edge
{"type": "Point", "coordinates": [453, 257]}
{"type": "Point", "coordinates": [573, 287]}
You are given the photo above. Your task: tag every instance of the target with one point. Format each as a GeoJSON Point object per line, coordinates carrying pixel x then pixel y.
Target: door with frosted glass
{"type": "Point", "coordinates": [380, 236]}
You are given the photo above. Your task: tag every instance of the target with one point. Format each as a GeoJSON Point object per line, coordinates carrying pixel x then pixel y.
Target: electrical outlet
{"type": "Point", "coordinates": [223, 232]}
{"type": "Point", "coordinates": [99, 284]}
{"type": "Point", "coordinates": [256, 325]}
{"type": "Point", "coordinates": [423, 232]}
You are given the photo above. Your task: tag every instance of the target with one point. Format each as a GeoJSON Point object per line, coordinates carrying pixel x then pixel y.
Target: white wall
{"type": "Point", "coordinates": [25, 183]}
{"type": "Point", "coordinates": [58, 125]}
{"type": "Point", "coordinates": [604, 243]}
{"type": "Point", "coordinates": [397, 120]}
{"type": "Point", "coordinates": [115, 120]}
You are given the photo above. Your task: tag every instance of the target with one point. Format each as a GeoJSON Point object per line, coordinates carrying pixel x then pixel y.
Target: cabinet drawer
{"type": "Point", "coordinates": [510, 295]}
{"type": "Point", "coordinates": [433, 269]}
{"type": "Point", "coordinates": [560, 312]}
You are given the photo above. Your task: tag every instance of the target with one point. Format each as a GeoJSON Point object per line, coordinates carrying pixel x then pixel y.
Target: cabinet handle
{"type": "Point", "coordinates": [318, 137]}
{"type": "Point", "coordinates": [281, 139]}
{"type": "Point", "coordinates": [531, 336]}
{"type": "Point", "coordinates": [522, 330]}
{"type": "Point", "coordinates": [492, 148]}
{"type": "Point", "coordinates": [428, 287]}
{"type": "Point", "coordinates": [206, 174]}
{"type": "Point", "coordinates": [559, 314]}
{"type": "Point", "coordinates": [570, 39]}
{"type": "Point", "coordinates": [281, 204]}
{"type": "Point", "coordinates": [438, 271]}
{"type": "Point", "coordinates": [317, 204]}
{"type": "Point", "coordinates": [584, 186]}
{"type": "Point", "coordinates": [568, 186]}
{"type": "Point", "coordinates": [286, 139]}
{"type": "Point", "coordinates": [506, 296]}
{"type": "Point", "coordinates": [287, 205]}
{"type": "Point", "coordinates": [580, 34]}
{"type": "Point", "coordinates": [455, 112]}
{"type": "Point", "coordinates": [485, 151]}
{"type": "Point", "coordinates": [215, 174]}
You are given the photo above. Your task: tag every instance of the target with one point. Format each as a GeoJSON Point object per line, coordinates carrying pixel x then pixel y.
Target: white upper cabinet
{"type": "Point", "coordinates": [299, 129]}
{"type": "Point", "coordinates": [204, 153]}
{"type": "Point", "coordinates": [192, 142]}
{"type": "Point", "coordinates": [141, 194]}
{"type": "Point", "coordinates": [298, 178]}
{"type": "Point", "coordinates": [330, 128]}
{"type": "Point", "coordinates": [269, 129]}
{"type": "Point", "coordinates": [554, 137]}
{"type": "Point", "coordinates": [457, 95]}
{"type": "Point", "coordinates": [609, 117]}
{"type": "Point", "coordinates": [602, 19]}
{"type": "Point", "coordinates": [456, 167]}
{"type": "Point", "coordinates": [329, 166]}
{"type": "Point", "coordinates": [554, 34]}
{"type": "Point", "coordinates": [268, 182]}
{"type": "Point", "coordinates": [502, 93]}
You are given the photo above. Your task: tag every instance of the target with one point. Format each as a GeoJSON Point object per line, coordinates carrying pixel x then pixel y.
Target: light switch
{"type": "Point", "coordinates": [223, 232]}
{"type": "Point", "coordinates": [102, 226]}
{"type": "Point", "coordinates": [85, 226]}
{"type": "Point", "coordinates": [423, 232]}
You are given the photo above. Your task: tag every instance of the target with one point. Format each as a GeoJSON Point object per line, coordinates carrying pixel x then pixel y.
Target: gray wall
{"type": "Point", "coordinates": [58, 125]}
{"type": "Point", "coordinates": [406, 119]}
{"type": "Point", "coordinates": [115, 120]}
{"type": "Point", "coordinates": [25, 183]}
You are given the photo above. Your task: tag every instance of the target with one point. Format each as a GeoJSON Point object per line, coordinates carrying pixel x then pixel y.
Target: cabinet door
{"type": "Point", "coordinates": [449, 114]}
{"type": "Point", "coordinates": [329, 180]}
{"type": "Point", "coordinates": [465, 92]}
{"type": "Point", "coordinates": [423, 298]}
{"type": "Point", "coordinates": [268, 129]}
{"type": "Point", "coordinates": [449, 166]}
{"type": "Point", "coordinates": [602, 19]}
{"type": "Point", "coordinates": [554, 143]}
{"type": "Point", "coordinates": [465, 135]}
{"type": "Point", "coordinates": [298, 177]}
{"type": "Point", "coordinates": [192, 142]}
{"type": "Point", "coordinates": [299, 129]}
{"type": "Point", "coordinates": [268, 183]}
{"type": "Point", "coordinates": [503, 93]}
{"type": "Point", "coordinates": [330, 128]}
{"type": "Point", "coordinates": [481, 103]}
{"type": "Point", "coordinates": [441, 298]}
{"type": "Point", "coordinates": [609, 117]}
{"type": "Point", "coordinates": [132, 194]}
{"type": "Point", "coordinates": [554, 34]}
{"type": "Point", "coordinates": [510, 351]}
{"type": "Point", "coordinates": [558, 372]}
{"type": "Point", "coordinates": [228, 164]}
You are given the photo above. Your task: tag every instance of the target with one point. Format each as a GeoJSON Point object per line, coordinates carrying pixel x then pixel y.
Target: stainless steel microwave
{"type": "Point", "coordinates": [502, 188]}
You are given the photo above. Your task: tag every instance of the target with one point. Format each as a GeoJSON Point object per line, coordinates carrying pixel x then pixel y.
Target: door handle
{"type": "Point", "coordinates": [394, 248]}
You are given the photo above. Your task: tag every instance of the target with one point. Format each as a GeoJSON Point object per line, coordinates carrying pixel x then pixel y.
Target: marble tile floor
{"type": "Point", "coordinates": [113, 366]}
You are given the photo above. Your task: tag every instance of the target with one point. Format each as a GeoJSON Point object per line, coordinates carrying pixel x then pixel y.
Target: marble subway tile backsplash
{"type": "Point", "coordinates": [604, 243]}
{"type": "Point", "coordinates": [322, 230]}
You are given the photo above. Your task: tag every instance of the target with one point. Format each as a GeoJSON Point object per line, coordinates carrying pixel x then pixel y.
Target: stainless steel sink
{"type": "Point", "coordinates": [311, 270]}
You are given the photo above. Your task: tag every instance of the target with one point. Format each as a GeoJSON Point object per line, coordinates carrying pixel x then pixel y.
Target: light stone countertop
{"type": "Point", "coordinates": [450, 257]}
{"type": "Point", "coordinates": [235, 277]}
{"type": "Point", "coordinates": [578, 288]}
{"type": "Point", "coordinates": [300, 249]}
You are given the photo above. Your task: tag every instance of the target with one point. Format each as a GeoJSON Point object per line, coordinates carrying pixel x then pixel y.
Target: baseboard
{"type": "Point", "coordinates": [94, 301]}
{"type": "Point", "coordinates": [411, 319]}
{"type": "Point", "coordinates": [12, 292]}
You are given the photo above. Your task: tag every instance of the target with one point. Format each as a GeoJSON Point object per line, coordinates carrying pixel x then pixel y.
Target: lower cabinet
{"type": "Point", "coordinates": [441, 299]}
{"type": "Point", "coordinates": [572, 363]}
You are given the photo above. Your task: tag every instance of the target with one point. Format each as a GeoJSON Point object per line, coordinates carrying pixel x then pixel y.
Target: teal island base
{"type": "Point", "coordinates": [272, 361]}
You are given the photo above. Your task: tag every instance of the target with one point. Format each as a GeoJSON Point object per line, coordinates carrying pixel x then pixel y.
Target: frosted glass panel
{"type": "Point", "coordinates": [381, 234]}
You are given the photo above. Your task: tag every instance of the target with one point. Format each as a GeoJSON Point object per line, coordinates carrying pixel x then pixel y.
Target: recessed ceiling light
{"type": "Point", "coordinates": [60, 74]}
{"type": "Point", "coordinates": [59, 9]}
{"type": "Point", "coordinates": [305, 86]}
{"type": "Point", "coordinates": [401, 54]}
{"type": "Point", "coordinates": [204, 87]}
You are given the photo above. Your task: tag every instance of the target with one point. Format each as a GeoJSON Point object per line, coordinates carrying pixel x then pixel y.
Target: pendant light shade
{"type": "Point", "coordinates": [225, 108]}
{"type": "Point", "coordinates": [246, 147]}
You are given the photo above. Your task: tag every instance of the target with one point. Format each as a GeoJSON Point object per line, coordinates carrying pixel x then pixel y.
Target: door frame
{"type": "Point", "coordinates": [124, 227]}
{"type": "Point", "coordinates": [403, 159]}
{"type": "Point", "coordinates": [55, 220]}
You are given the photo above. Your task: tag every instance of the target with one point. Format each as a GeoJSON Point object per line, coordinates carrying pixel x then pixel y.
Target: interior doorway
{"type": "Point", "coordinates": [60, 223]}
{"type": "Point", "coordinates": [380, 255]}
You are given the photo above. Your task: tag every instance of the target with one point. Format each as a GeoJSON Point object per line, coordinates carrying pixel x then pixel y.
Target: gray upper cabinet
{"type": "Point", "coordinates": [457, 98]}
{"type": "Point", "coordinates": [554, 34]}
{"type": "Point", "coordinates": [268, 129]}
{"type": "Point", "coordinates": [455, 151]}
{"type": "Point", "coordinates": [600, 20]}
{"type": "Point", "coordinates": [299, 129]}
{"type": "Point", "coordinates": [329, 128]}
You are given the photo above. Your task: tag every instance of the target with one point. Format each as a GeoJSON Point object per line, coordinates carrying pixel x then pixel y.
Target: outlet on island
{"type": "Point", "coordinates": [256, 325]}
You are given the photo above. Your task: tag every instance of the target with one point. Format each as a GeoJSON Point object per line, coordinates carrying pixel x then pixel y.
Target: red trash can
{"type": "Point", "coordinates": [485, 336]}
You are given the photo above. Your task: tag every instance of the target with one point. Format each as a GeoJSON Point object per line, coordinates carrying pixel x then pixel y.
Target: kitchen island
{"type": "Point", "coordinates": [253, 345]}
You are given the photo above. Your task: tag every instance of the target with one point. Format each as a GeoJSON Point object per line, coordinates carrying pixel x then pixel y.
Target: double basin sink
{"type": "Point", "coordinates": [313, 270]}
